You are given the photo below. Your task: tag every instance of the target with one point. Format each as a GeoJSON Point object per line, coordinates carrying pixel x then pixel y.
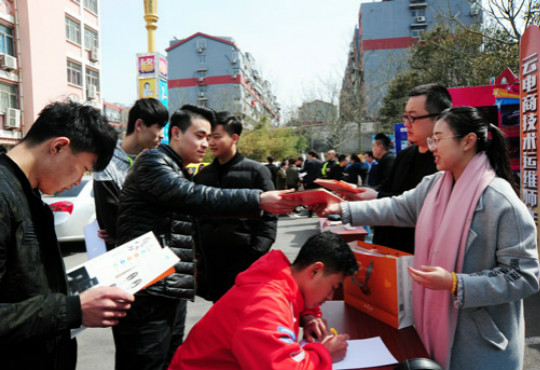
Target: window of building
{"type": "Point", "coordinates": [90, 38]}
{"type": "Point", "coordinates": [91, 5]}
{"type": "Point", "coordinates": [6, 40]}
{"type": "Point", "coordinates": [203, 103]}
{"type": "Point", "coordinates": [418, 33]}
{"type": "Point", "coordinates": [8, 97]}
{"type": "Point", "coordinates": [419, 13]}
{"type": "Point", "coordinates": [74, 73]}
{"type": "Point", "coordinates": [234, 57]}
{"type": "Point", "coordinates": [202, 89]}
{"type": "Point", "coordinates": [73, 30]}
{"type": "Point", "coordinates": [202, 74]}
{"type": "Point", "coordinates": [201, 44]}
{"type": "Point", "coordinates": [92, 78]}
{"type": "Point", "coordinates": [202, 58]}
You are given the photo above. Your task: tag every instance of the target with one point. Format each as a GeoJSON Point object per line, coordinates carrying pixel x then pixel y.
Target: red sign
{"type": "Point", "coordinates": [529, 108]}
{"type": "Point", "coordinates": [147, 64]}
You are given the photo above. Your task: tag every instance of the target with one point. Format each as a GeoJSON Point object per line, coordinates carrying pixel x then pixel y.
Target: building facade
{"type": "Point", "coordinates": [212, 71]}
{"type": "Point", "coordinates": [49, 51]}
{"type": "Point", "coordinates": [380, 47]}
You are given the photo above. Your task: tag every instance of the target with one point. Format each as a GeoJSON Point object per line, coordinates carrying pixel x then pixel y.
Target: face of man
{"type": "Point", "coordinates": [65, 170]}
{"type": "Point", "coordinates": [330, 156]}
{"type": "Point", "coordinates": [377, 149]}
{"type": "Point", "coordinates": [222, 145]}
{"type": "Point", "coordinates": [321, 288]}
{"type": "Point", "coordinates": [149, 137]}
{"type": "Point", "coordinates": [192, 144]}
{"type": "Point", "coordinates": [419, 130]}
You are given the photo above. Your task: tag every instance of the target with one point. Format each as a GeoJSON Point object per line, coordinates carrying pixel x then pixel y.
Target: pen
{"type": "Point", "coordinates": [333, 331]}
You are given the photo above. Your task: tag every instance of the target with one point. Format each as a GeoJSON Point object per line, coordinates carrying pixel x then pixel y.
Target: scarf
{"type": "Point", "coordinates": [441, 237]}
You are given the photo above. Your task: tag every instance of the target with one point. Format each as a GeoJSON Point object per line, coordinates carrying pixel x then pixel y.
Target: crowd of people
{"type": "Point", "coordinates": [449, 198]}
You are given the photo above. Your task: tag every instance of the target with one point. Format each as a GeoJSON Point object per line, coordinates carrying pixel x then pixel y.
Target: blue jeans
{"type": "Point", "coordinates": [150, 333]}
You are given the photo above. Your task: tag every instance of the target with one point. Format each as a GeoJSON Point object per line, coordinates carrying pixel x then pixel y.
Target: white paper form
{"type": "Point", "coordinates": [361, 353]}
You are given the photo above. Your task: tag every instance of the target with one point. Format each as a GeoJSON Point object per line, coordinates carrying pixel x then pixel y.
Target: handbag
{"type": "Point", "coordinates": [382, 287]}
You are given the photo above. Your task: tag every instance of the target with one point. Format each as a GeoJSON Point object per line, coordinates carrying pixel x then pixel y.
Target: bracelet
{"type": "Point", "coordinates": [454, 283]}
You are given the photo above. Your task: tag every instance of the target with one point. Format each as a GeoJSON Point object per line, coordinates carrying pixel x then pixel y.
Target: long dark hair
{"type": "Point", "coordinates": [465, 120]}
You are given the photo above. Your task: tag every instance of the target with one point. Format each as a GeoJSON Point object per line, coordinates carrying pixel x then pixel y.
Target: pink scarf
{"type": "Point", "coordinates": [440, 238]}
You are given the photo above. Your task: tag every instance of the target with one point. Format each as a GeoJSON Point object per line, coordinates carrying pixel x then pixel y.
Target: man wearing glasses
{"type": "Point", "coordinates": [425, 104]}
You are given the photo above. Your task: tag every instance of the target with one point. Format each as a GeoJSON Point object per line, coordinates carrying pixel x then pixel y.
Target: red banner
{"type": "Point", "coordinates": [529, 107]}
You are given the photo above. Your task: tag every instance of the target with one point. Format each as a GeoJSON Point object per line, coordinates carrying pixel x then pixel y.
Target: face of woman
{"type": "Point", "coordinates": [451, 153]}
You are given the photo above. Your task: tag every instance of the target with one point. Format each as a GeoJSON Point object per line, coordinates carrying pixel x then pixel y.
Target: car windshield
{"type": "Point", "coordinates": [73, 192]}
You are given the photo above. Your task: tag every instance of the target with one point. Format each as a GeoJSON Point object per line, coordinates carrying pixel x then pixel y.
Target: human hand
{"type": "Point", "coordinates": [432, 277]}
{"type": "Point", "coordinates": [273, 202]}
{"type": "Point", "coordinates": [323, 210]}
{"type": "Point", "coordinates": [104, 306]}
{"type": "Point", "coordinates": [103, 234]}
{"type": "Point", "coordinates": [336, 345]}
{"type": "Point", "coordinates": [314, 328]}
{"type": "Point", "coordinates": [364, 194]}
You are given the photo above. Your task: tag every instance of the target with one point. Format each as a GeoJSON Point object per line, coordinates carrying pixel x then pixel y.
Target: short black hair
{"type": "Point", "coordinates": [183, 117]}
{"type": "Point", "coordinates": [270, 159]}
{"type": "Point", "coordinates": [330, 249]}
{"type": "Point", "coordinates": [437, 97]}
{"type": "Point", "coordinates": [2, 149]}
{"type": "Point", "coordinates": [150, 111]}
{"type": "Point", "coordinates": [341, 157]}
{"type": "Point", "coordinates": [86, 127]}
{"type": "Point", "coordinates": [231, 124]}
{"type": "Point", "coordinates": [384, 140]}
{"type": "Point", "coordinates": [313, 153]}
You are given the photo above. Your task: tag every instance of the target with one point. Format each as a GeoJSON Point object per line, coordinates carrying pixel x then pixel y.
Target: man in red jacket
{"type": "Point", "coordinates": [255, 324]}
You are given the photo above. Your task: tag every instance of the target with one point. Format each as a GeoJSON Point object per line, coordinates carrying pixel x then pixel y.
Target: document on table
{"type": "Point", "coordinates": [362, 353]}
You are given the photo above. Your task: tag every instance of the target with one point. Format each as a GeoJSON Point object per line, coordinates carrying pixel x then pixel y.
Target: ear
{"type": "Point", "coordinates": [59, 144]}
{"type": "Point", "coordinates": [175, 132]}
{"type": "Point", "coordinates": [470, 141]}
{"type": "Point", "coordinates": [315, 269]}
{"type": "Point", "coordinates": [235, 138]}
{"type": "Point", "coordinates": [138, 124]}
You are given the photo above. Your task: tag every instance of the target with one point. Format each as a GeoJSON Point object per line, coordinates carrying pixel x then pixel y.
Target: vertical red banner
{"type": "Point", "coordinates": [529, 106]}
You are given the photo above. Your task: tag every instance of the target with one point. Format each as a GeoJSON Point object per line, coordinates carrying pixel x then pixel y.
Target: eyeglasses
{"type": "Point", "coordinates": [411, 119]}
{"type": "Point", "coordinates": [433, 142]}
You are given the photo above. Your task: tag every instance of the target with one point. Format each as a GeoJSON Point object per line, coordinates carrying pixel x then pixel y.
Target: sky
{"type": "Point", "coordinates": [300, 46]}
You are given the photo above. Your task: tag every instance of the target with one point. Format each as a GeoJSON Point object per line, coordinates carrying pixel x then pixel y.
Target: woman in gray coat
{"type": "Point", "coordinates": [475, 246]}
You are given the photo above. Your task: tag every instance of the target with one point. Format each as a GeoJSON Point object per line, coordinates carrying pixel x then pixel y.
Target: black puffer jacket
{"type": "Point", "coordinates": [158, 196]}
{"type": "Point", "coordinates": [231, 245]}
{"type": "Point", "coordinates": [35, 312]}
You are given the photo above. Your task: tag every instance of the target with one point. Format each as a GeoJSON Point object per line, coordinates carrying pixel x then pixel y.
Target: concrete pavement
{"type": "Point", "coordinates": [96, 348]}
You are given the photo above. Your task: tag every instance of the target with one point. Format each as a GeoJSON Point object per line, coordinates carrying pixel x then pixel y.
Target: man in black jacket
{"type": "Point", "coordinates": [36, 312]}
{"type": "Point", "coordinates": [158, 196]}
{"type": "Point", "coordinates": [229, 246]}
{"type": "Point", "coordinates": [385, 159]}
{"type": "Point", "coordinates": [425, 104]}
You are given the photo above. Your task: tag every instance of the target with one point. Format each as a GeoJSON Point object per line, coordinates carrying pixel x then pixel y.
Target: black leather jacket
{"type": "Point", "coordinates": [35, 311]}
{"type": "Point", "coordinates": [158, 196]}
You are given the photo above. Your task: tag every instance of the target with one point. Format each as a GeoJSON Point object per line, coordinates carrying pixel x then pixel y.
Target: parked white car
{"type": "Point", "coordinates": [73, 209]}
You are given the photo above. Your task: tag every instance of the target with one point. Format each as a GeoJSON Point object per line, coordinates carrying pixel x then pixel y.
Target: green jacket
{"type": "Point", "coordinates": [36, 314]}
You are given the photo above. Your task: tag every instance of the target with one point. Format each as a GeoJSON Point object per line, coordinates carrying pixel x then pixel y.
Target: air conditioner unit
{"type": "Point", "coordinates": [199, 50]}
{"type": "Point", "coordinates": [92, 92]}
{"type": "Point", "coordinates": [420, 19]}
{"type": "Point", "coordinates": [233, 61]}
{"type": "Point", "coordinates": [201, 95]}
{"type": "Point", "coordinates": [201, 79]}
{"type": "Point", "coordinates": [8, 62]}
{"type": "Point", "coordinates": [12, 119]}
{"type": "Point", "coordinates": [94, 54]}
{"type": "Point", "coordinates": [233, 75]}
{"type": "Point", "coordinates": [475, 11]}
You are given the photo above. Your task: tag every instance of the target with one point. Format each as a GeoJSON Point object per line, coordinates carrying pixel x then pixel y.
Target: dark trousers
{"type": "Point", "coordinates": [150, 333]}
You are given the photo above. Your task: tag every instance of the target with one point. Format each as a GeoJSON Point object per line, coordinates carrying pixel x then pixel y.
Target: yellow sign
{"type": "Point", "coordinates": [147, 88]}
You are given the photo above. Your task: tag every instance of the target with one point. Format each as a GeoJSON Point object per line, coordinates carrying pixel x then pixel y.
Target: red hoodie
{"type": "Point", "coordinates": [254, 325]}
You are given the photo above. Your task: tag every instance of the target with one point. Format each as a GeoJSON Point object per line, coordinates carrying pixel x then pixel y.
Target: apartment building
{"type": "Point", "coordinates": [380, 46]}
{"type": "Point", "coordinates": [212, 71]}
{"type": "Point", "coordinates": [49, 51]}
